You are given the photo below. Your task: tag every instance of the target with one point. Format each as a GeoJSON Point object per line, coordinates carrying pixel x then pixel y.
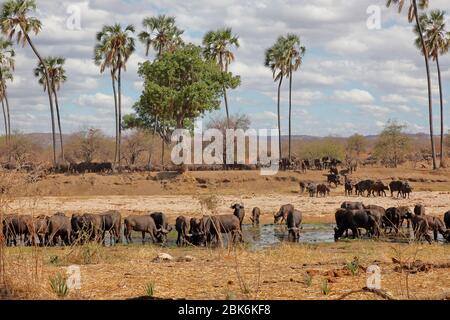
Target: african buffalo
{"type": "Point", "coordinates": [436, 225]}
{"type": "Point", "coordinates": [161, 223]}
{"type": "Point", "coordinates": [256, 213]}
{"type": "Point", "coordinates": [334, 178]}
{"type": "Point", "coordinates": [401, 187]}
{"type": "Point", "coordinates": [182, 227]}
{"type": "Point", "coordinates": [239, 212]}
{"type": "Point", "coordinates": [144, 224]}
{"type": "Point", "coordinates": [379, 189]}
{"type": "Point", "coordinates": [352, 205]}
{"type": "Point", "coordinates": [353, 220]}
{"type": "Point", "coordinates": [197, 231]}
{"type": "Point", "coordinates": [421, 227]}
{"type": "Point", "coordinates": [312, 189]}
{"type": "Point", "coordinates": [17, 225]}
{"type": "Point", "coordinates": [419, 210]}
{"type": "Point", "coordinates": [40, 229]}
{"type": "Point", "coordinates": [348, 188]}
{"type": "Point", "coordinates": [364, 186]}
{"type": "Point", "coordinates": [283, 212]}
{"type": "Point", "coordinates": [447, 219]}
{"type": "Point", "coordinates": [111, 221]}
{"type": "Point", "coordinates": [216, 225]}
{"type": "Point", "coordinates": [59, 227]}
{"type": "Point", "coordinates": [293, 222]}
{"type": "Point", "coordinates": [323, 190]}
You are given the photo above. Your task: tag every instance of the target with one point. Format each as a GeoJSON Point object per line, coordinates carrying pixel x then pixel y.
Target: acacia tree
{"type": "Point", "coordinates": [392, 144]}
{"type": "Point", "coordinates": [57, 75]}
{"type": "Point", "coordinates": [15, 21]}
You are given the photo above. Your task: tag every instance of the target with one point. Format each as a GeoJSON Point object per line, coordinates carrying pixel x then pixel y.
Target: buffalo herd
{"type": "Point", "coordinates": [351, 217]}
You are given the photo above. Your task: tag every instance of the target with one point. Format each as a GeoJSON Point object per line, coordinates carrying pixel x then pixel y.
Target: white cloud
{"type": "Point", "coordinates": [355, 96]}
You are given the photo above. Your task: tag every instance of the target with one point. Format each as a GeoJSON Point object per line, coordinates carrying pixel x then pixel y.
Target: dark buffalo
{"type": "Point", "coordinates": [293, 222]}
{"type": "Point", "coordinates": [421, 227]}
{"type": "Point", "coordinates": [18, 226]}
{"type": "Point", "coordinates": [419, 210]}
{"type": "Point", "coordinates": [406, 190]}
{"type": "Point", "coordinates": [364, 186]}
{"type": "Point", "coordinates": [59, 227]}
{"type": "Point", "coordinates": [352, 205]}
{"type": "Point", "coordinates": [334, 178]}
{"type": "Point", "coordinates": [197, 231]}
{"type": "Point", "coordinates": [217, 225]}
{"type": "Point", "coordinates": [353, 220]}
{"type": "Point", "coordinates": [379, 189]}
{"type": "Point", "coordinates": [111, 221]}
{"type": "Point", "coordinates": [41, 229]}
{"type": "Point", "coordinates": [239, 212]}
{"type": "Point", "coordinates": [312, 189]}
{"type": "Point", "coordinates": [144, 224]}
{"type": "Point", "coordinates": [161, 223]}
{"type": "Point", "coordinates": [182, 227]}
{"type": "Point", "coordinates": [401, 187]}
{"type": "Point", "coordinates": [447, 219]}
{"type": "Point", "coordinates": [405, 214]}
{"type": "Point", "coordinates": [304, 185]}
{"type": "Point", "coordinates": [391, 220]}
{"type": "Point", "coordinates": [348, 188]}
{"type": "Point", "coordinates": [282, 214]}
{"type": "Point", "coordinates": [323, 190]}
{"type": "Point", "coordinates": [436, 225]}
{"type": "Point", "coordinates": [256, 213]}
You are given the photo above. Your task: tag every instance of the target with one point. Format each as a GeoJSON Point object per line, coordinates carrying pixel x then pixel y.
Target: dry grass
{"type": "Point", "coordinates": [278, 273]}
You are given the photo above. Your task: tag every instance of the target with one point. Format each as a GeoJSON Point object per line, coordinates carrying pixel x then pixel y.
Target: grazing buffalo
{"type": "Point", "coordinates": [216, 225]}
{"type": "Point", "coordinates": [323, 190]}
{"type": "Point", "coordinates": [419, 210]}
{"type": "Point", "coordinates": [364, 186]}
{"type": "Point", "coordinates": [379, 189]}
{"type": "Point", "coordinates": [111, 221]}
{"type": "Point", "coordinates": [59, 227]}
{"type": "Point", "coordinates": [293, 222]}
{"type": "Point", "coordinates": [256, 213]}
{"type": "Point", "coordinates": [304, 185]}
{"type": "Point", "coordinates": [334, 178]}
{"type": "Point", "coordinates": [352, 205]}
{"type": "Point", "coordinates": [17, 225]}
{"type": "Point", "coordinates": [391, 220]}
{"type": "Point", "coordinates": [401, 187]}
{"type": "Point", "coordinates": [161, 223]}
{"type": "Point", "coordinates": [353, 220]}
{"type": "Point", "coordinates": [197, 231]}
{"type": "Point", "coordinates": [283, 213]}
{"type": "Point", "coordinates": [312, 189]}
{"type": "Point", "coordinates": [239, 212]}
{"type": "Point", "coordinates": [447, 219]}
{"type": "Point", "coordinates": [182, 227]}
{"type": "Point", "coordinates": [436, 225]}
{"type": "Point", "coordinates": [405, 214]}
{"type": "Point", "coordinates": [40, 229]}
{"type": "Point", "coordinates": [144, 224]}
{"type": "Point", "coordinates": [421, 227]}
{"type": "Point", "coordinates": [348, 188]}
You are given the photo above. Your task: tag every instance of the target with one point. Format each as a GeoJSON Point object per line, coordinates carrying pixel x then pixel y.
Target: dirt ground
{"type": "Point", "coordinates": [287, 271]}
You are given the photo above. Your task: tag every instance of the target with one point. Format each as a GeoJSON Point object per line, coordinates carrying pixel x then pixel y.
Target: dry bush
{"type": "Point", "coordinates": [89, 146]}
{"type": "Point", "coordinates": [20, 150]}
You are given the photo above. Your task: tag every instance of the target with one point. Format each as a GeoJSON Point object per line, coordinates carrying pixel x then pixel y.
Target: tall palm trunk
{"type": "Point", "coordinates": [59, 123]}
{"type": "Point", "coordinates": [441, 97]}
{"type": "Point", "coordinates": [6, 121]}
{"type": "Point", "coordinates": [113, 77]}
{"type": "Point", "coordinates": [162, 153]}
{"type": "Point", "coordinates": [290, 113]}
{"type": "Point", "coordinates": [119, 119]}
{"type": "Point", "coordinates": [49, 94]}
{"type": "Point", "coordinates": [225, 99]}
{"type": "Point", "coordinates": [8, 115]}
{"type": "Point", "coordinates": [430, 102]}
{"type": "Point", "coordinates": [279, 117]}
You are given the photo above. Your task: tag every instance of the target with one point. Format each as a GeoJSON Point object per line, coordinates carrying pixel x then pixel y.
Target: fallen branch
{"type": "Point", "coordinates": [378, 292]}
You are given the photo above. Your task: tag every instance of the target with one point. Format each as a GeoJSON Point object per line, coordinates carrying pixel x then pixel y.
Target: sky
{"type": "Point", "coordinates": [354, 77]}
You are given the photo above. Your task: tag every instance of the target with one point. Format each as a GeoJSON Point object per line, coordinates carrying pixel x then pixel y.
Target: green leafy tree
{"type": "Point", "coordinates": [437, 42]}
{"type": "Point", "coordinates": [392, 145]}
{"type": "Point", "coordinates": [114, 47]}
{"type": "Point", "coordinates": [15, 21]}
{"type": "Point", "coordinates": [413, 15]}
{"type": "Point", "coordinates": [178, 88]}
{"type": "Point", "coordinates": [356, 144]}
{"type": "Point", "coordinates": [57, 75]}
{"type": "Point", "coordinates": [217, 46]}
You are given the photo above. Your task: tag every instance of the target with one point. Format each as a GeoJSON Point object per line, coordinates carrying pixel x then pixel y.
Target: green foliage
{"type": "Point", "coordinates": [392, 145]}
{"type": "Point", "coordinates": [59, 285]}
{"type": "Point", "coordinates": [325, 288]}
{"type": "Point", "coordinates": [356, 144]}
{"type": "Point", "coordinates": [353, 266]}
{"type": "Point", "coordinates": [308, 279]}
{"type": "Point", "coordinates": [180, 87]}
{"type": "Point", "coordinates": [54, 259]}
{"type": "Point", "coordinates": [322, 148]}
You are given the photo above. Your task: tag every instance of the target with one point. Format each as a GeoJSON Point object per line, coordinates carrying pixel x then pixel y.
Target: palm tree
{"type": "Point", "coordinates": [7, 64]}
{"type": "Point", "coordinates": [161, 34]}
{"type": "Point", "coordinates": [275, 60]}
{"type": "Point", "coordinates": [437, 41]}
{"type": "Point", "coordinates": [57, 74]}
{"type": "Point", "coordinates": [413, 15]}
{"type": "Point", "coordinates": [294, 53]}
{"type": "Point", "coordinates": [217, 46]}
{"type": "Point", "coordinates": [16, 22]}
{"type": "Point", "coordinates": [114, 47]}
